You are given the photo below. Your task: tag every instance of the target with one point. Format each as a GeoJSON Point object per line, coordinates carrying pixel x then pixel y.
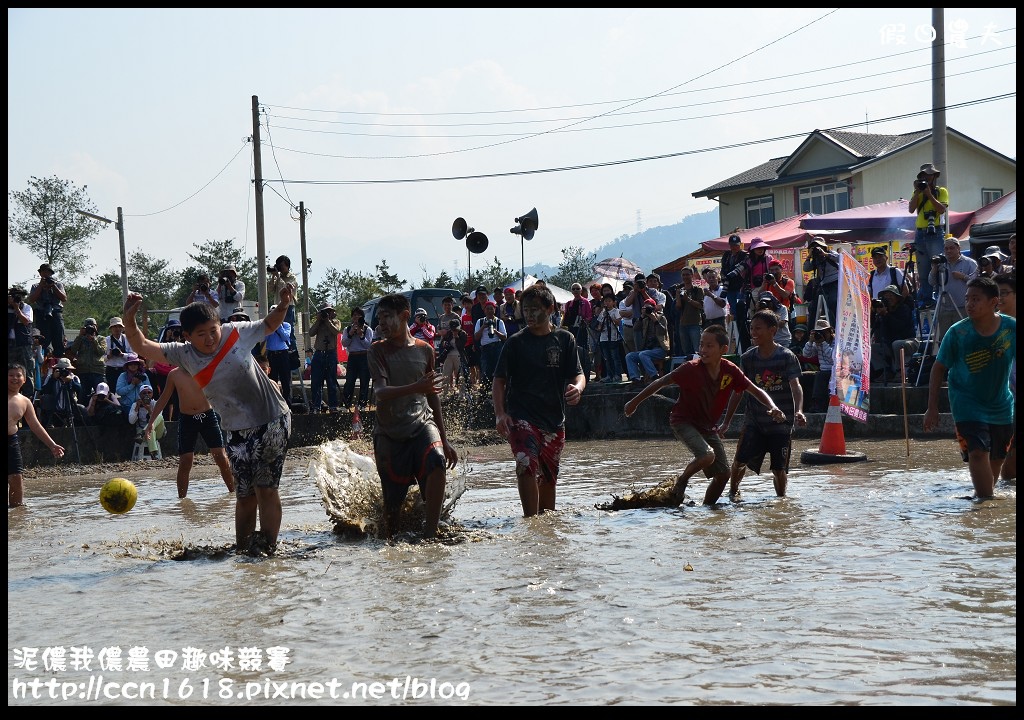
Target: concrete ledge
{"type": "Point", "coordinates": [598, 416]}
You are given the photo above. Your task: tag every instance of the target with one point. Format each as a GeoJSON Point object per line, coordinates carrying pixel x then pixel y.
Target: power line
{"type": "Point", "coordinates": [665, 156]}
{"type": "Point", "coordinates": [158, 212]}
{"type": "Point", "coordinates": [891, 56]}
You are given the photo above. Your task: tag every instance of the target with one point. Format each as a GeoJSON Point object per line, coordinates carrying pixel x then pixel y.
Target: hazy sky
{"type": "Point", "coordinates": [606, 121]}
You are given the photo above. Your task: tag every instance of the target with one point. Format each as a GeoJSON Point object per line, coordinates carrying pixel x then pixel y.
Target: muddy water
{"type": "Point", "coordinates": [875, 583]}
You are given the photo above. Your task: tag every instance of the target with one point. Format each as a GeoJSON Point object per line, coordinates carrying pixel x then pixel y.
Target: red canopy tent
{"type": "Point", "coordinates": [784, 233]}
{"type": "Point", "coordinates": [892, 216]}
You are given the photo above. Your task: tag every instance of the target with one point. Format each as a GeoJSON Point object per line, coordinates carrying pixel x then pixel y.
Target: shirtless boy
{"type": "Point", "coordinates": [196, 417]}
{"type": "Point", "coordinates": [20, 408]}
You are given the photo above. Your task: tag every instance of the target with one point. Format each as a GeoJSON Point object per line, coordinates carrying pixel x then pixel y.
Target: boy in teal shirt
{"type": "Point", "coordinates": [977, 352]}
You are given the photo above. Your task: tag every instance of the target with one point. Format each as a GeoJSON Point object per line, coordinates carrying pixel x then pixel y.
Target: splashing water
{"type": "Point", "coordinates": [351, 493]}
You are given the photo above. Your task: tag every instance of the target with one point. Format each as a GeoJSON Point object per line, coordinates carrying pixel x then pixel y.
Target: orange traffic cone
{"type": "Point", "coordinates": [357, 424]}
{"type": "Point", "coordinates": [833, 441]}
{"type": "Point", "coordinates": [832, 448]}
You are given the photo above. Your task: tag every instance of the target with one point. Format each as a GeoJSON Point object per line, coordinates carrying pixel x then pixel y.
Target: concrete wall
{"type": "Point", "coordinates": [598, 416]}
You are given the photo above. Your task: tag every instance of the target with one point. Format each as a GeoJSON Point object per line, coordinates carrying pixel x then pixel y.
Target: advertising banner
{"type": "Point", "coordinates": [851, 374]}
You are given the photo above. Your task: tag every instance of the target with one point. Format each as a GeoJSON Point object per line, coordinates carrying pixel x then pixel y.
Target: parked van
{"type": "Point", "coordinates": [429, 299]}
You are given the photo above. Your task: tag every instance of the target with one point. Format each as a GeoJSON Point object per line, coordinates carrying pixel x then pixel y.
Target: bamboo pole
{"type": "Point", "coordinates": [903, 384]}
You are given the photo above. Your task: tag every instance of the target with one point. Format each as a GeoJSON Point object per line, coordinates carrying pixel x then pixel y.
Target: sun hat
{"type": "Point", "coordinates": [132, 358]}
{"type": "Point", "coordinates": [822, 324]}
{"type": "Point", "coordinates": [325, 306]}
{"type": "Point", "coordinates": [757, 243]}
{"type": "Point", "coordinates": [116, 321]}
{"type": "Point", "coordinates": [819, 241]}
{"type": "Point", "coordinates": [45, 266]}
{"type": "Point", "coordinates": [890, 289]}
{"type": "Point", "coordinates": [64, 364]}
{"type": "Point", "coordinates": [996, 252]}
{"type": "Point", "coordinates": [928, 169]}
{"type": "Point", "coordinates": [89, 322]}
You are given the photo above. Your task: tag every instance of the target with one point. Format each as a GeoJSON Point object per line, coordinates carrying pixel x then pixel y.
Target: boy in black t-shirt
{"type": "Point", "coordinates": [538, 374]}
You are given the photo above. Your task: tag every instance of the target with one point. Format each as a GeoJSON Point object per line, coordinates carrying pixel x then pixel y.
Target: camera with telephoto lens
{"type": "Point", "coordinates": [876, 303]}
{"type": "Point", "coordinates": [204, 287]}
{"type": "Point", "coordinates": [64, 372]}
{"type": "Point", "coordinates": [90, 330]}
{"type": "Point", "coordinates": [930, 217]}
{"type": "Point", "coordinates": [271, 269]}
{"type": "Point", "coordinates": [939, 260]}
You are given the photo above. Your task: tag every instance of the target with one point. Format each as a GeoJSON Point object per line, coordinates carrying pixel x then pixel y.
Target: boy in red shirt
{"type": "Point", "coordinates": [705, 384]}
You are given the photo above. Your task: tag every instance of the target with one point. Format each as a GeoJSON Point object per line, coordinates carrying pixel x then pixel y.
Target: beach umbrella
{"type": "Point", "coordinates": [619, 267]}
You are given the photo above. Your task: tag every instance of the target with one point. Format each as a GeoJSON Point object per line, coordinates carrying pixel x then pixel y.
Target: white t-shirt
{"type": "Point", "coordinates": [881, 280]}
{"type": "Point", "coordinates": [239, 390]}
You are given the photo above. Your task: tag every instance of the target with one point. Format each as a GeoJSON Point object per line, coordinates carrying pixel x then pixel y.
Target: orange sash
{"type": "Point", "coordinates": [204, 376]}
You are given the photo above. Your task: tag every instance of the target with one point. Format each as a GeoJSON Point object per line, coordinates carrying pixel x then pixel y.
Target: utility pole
{"type": "Point", "coordinates": [305, 270]}
{"type": "Point", "coordinates": [124, 260]}
{"type": "Point", "coordinates": [939, 93]}
{"type": "Point", "coordinates": [261, 240]}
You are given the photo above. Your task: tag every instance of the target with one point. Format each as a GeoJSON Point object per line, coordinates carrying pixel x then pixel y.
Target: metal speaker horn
{"type": "Point", "coordinates": [459, 228]}
{"type": "Point", "coordinates": [476, 242]}
{"type": "Point", "coordinates": [527, 226]}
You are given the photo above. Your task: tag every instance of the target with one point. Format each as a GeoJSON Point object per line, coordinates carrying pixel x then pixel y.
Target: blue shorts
{"type": "Point", "coordinates": [205, 424]}
{"type": "Point", "coordinates": [993, 439]}
{"type": "Point", "coordinates": [257, 455]}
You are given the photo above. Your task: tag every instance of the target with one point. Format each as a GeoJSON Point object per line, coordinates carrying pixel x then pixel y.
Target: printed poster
{"type": "Point", "coordinates": [851, 373]}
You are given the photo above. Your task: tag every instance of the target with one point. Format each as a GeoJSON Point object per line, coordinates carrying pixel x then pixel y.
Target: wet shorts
{"type": "Point", "coordinates": [754, 444]}
{"type": "Point", "coordinates": [993, 439]}
{"type": "Point", "coordinates": [537, 452]}
{"type": "Point", "coordinates": [400, 463]}
{"type": "Point", "coordinates": [205, 424]}
{"type": "Point", "coordinates": [15, 465]}
{"type": "Point", "coordinates": [257, 455]}
{"type": "Point", "coordinates": [700, 445]}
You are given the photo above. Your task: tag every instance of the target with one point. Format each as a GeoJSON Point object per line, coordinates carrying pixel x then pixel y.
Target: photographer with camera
{"type": "Point", "coordinates": [58, 401]}
{"type": "Point", "coordinates": [20, 346]}
{"type": "Point", "coordinates": [117, 348]}
{"type": "Point", "coordinates": [577, 317]}
{"type": "Point", "coordinates": [356, 340]}
{"type": "Point", "coordinates": [824, 263]}
{"type": "Point", "coordinates": [689, 304]}
{"type": "Point", "coordinates": [490, 335]}
{"type": "Point", "coordinates": [819, 354]}
{"type": "Point", "coordinates": [202, 292]}
{"type": "Point", "coordinates": [278, 276]}
{"type": "Point", "coordinates": [893, 329]}
{"type": "Point", "coordinates": [950, 274]}
{"type": "Point", "coordinates": [130, 382]}
{"type": "Point", "coordinates": [654, 345]}
{"type": "Point", "coordinates": [230, 291]}
{"type": "Point", "coordinates": [324, 332]}
{"type": "Point", "coordinates": [87, 352]}
{"type": "Point", "coordinates": [732, 279]}
{"type": "Point", "coordinates": [930, 202]}
{"type": "Point", "coordinates": [47, 298]}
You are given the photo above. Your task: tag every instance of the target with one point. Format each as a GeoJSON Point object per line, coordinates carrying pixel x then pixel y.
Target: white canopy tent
{"type": "Point", "coordinates": [561, 294]}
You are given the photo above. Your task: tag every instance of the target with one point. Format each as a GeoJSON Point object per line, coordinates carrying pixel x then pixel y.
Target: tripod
{"type": "Point", "coordinates": [72, 402]}
{"type": "Point", "coordinates": [928, 344]}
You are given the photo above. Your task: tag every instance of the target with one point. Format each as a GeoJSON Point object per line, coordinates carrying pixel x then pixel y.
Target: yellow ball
{"type": "Point", "coordinates": [118, 496]}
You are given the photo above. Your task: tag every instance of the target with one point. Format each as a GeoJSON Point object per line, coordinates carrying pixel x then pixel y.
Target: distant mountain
{"type": "Point", "coordinates": [655, 246]}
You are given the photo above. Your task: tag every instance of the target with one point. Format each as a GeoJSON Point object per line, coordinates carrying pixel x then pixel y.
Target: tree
{"type": "Point", "coordinates": [151, 277]}
{"type": "Point", "coordinates": [101, 299]}
{"type": "Point", "coordinates": [346, 290]}
{"type": "Point", "coordinates": [577, 266]}
{"type": "Point", "coordinates": [444, 280]}
{"type": "Point", "coordinates": [44, 220]}
{"type": "Point", "coordinates": [388, 282]}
